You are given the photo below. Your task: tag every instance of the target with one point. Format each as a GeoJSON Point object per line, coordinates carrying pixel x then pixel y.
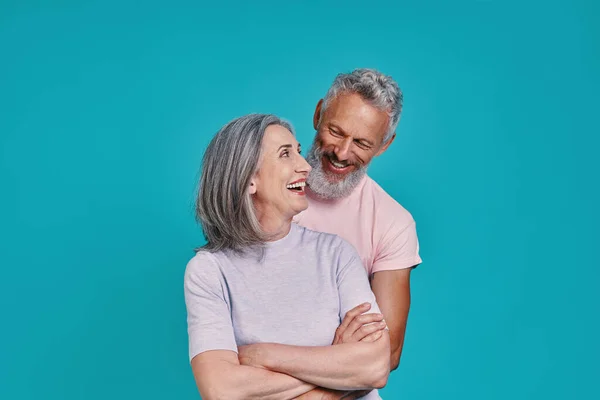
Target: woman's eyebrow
{"type": "Point", "coordinates": [289, 146]}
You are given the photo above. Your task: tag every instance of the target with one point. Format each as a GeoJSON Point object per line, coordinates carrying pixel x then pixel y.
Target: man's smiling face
{"type": "Point", "coordinates": [350, 133]}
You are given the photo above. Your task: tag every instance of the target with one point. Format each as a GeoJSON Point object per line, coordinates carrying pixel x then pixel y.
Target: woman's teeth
{"type": "Point", "coordinates": [296, 185]}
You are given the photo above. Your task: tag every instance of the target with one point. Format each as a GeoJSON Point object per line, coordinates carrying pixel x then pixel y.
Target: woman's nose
{"type": "Point", "coordinates": [303, 165]}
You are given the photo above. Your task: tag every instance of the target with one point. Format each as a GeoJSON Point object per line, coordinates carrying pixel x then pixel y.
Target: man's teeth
{"type": "Point", "coordinates": [296, 185]}
{"type": "Point", "coordinates": [337, 164]}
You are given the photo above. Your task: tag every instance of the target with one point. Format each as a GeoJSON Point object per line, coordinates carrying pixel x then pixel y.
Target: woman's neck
{"type": "Point", "coordinates": [275, 228]}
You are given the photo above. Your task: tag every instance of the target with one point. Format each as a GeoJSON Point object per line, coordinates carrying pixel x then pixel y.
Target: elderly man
{"type": "Point", "coordinates": [355, 122]}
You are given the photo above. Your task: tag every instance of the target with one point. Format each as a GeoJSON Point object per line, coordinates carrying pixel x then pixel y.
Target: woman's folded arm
{"type": "Point", "coordinates": [347, 366]}
{"type": "Point", "coordinates": [219, 375]}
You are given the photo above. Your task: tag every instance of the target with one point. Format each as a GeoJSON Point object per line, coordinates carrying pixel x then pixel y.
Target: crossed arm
{"type": "Point", "coordinates": [392, 290]}
{"type": "Point", "coordinates": [275, 371]}
{"type": "Point", "coordinates": [347, 366]}
{"type": "Point", "coordinates": [358, 361]}
{"type": "Point", "coordinates": [219, 375]}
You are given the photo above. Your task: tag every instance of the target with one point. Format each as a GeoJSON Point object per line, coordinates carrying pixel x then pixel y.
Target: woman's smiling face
{"type": "Point", "coordinates": [278, 186]}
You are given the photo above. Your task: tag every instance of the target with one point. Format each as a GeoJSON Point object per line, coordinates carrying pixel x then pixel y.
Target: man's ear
{"type": "Point", "coordinates": [317, 115]}
{"type": "Point", "coordinates": [385, 146]}
{"type": "Point", "coordinates": [252, 187]}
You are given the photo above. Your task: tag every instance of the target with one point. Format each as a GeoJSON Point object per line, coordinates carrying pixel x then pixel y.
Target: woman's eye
{"type": "Point", "coordinates": [285, 153]}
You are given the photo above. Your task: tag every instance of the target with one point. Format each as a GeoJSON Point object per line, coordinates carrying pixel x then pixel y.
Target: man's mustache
{"type": "Point", "coordinates": [334, 158]}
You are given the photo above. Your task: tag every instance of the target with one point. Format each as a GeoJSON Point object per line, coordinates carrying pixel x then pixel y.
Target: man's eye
{"type": "Point", "coordinates": [335, 133]}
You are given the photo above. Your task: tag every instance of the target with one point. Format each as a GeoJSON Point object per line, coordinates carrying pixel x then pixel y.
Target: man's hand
{"type": "Point", "coordinates": [358, 326]}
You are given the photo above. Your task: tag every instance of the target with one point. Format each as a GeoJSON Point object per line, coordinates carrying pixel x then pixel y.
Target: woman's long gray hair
{"type": "Point", "coordinates": [224, 205]}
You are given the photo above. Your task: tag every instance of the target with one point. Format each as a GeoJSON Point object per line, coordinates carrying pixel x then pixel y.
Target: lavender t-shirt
{"type": "Point", "coordinates": [297, 294]}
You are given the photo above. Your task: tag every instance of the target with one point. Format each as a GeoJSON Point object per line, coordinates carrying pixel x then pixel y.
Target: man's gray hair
{"type": "Point", "coordinates": [380, 90]}
{"type": "Point", "coordinates": [224, 205]}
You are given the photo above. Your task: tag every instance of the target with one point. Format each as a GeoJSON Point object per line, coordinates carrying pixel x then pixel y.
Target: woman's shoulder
{"type": "Point", "coordinates": [204, 265]}
{"type": "Point", "coordinates": [312, 235]}
{"type": "Point", "coordinates": [203, 257]}
{"type": "Point", "coordinates": [324, 240]}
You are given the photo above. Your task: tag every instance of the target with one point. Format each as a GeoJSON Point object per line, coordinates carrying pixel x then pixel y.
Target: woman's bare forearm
{"type": "Point", "coordinates": [331, 394]}
{"type": "Point", "coordinates": [347, 366]}
{"type": "Point", "coordinates": [230, 381]}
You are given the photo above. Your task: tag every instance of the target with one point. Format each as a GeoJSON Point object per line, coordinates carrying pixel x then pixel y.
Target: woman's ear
{"type": "Point", "coordinates": [252, 188]}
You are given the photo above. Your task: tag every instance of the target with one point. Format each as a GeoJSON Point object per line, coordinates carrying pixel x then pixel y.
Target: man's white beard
{"type": "Point", "coordinates": [325, 188]}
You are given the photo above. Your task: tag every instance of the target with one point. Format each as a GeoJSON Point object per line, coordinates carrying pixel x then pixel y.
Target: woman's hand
{"type": "Point", "coordinates": [360, 327]}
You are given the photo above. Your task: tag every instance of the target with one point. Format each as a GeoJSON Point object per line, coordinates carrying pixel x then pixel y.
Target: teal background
{"type": "Point", "coordinates": [106, 107]}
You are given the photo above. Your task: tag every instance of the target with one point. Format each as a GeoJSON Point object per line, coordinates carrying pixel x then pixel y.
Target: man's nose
{"type": "Point", "coordinates": [342, 149]}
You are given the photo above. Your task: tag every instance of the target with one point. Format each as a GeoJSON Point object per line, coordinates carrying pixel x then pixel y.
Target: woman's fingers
{"type": "Point", "coordinates": [358, 323]}
{"type": "Point", "coordinates": [366, 330]}
{"type": "Point", "coordinates": [373, 336]}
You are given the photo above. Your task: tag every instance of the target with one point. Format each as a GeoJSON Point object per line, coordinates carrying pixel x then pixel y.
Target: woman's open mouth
{"type": "Point", "coordinates": [297, 187]}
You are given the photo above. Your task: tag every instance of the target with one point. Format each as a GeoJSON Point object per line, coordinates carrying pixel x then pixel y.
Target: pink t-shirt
{"type": "Point", "coordinates": [380, 229]}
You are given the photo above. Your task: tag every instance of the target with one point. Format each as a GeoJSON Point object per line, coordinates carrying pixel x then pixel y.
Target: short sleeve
{"type": "Point", "coordinates": [398, 249]}
{"type": "Point", "coordinates": [353, 282]}
{"type": "Point", "coordinates": [208, 314]}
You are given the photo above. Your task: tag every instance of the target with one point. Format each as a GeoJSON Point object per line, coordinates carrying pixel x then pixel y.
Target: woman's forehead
{"type": "Point", "coordinates": [277, 135]}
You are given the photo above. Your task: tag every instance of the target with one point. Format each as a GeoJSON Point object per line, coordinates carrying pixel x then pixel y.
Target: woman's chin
{"type": "Point", "coordinates": [300, 206]}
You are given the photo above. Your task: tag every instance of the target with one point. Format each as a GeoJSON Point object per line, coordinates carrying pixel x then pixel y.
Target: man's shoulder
{"type": "Point", "coordinates": [388, 208]}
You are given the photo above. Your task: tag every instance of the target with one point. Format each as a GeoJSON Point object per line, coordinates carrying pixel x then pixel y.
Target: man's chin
{"type": "Point", "coordinates": [334, 177]}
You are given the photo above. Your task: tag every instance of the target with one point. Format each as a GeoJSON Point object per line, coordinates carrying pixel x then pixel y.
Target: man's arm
{"type": "Point", "coordinates": [392, 290]}
{"type": "Point", "coordinates": [347, 366]}
{"type": "Point", "coordinates": [219, 375]}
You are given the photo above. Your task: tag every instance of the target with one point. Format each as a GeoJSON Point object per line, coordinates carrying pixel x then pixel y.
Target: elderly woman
{"type": "Point", "coordinates": [265, 296]}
